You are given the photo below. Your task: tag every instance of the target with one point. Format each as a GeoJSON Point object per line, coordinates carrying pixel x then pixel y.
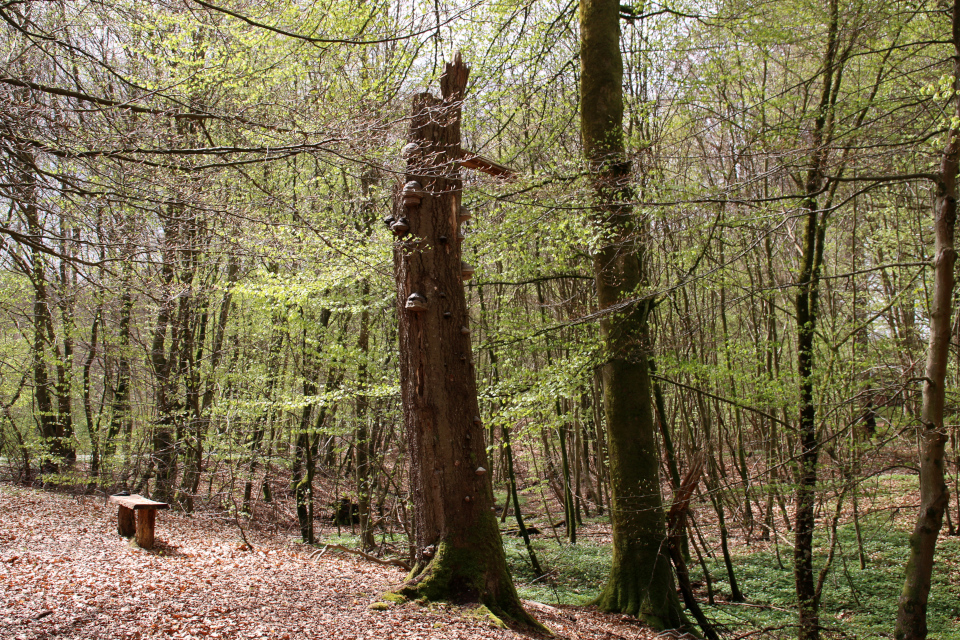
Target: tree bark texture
{"type": "Point", "coordinates": [934, 495]}
{"type": "Point", "coordinates": [641, 578]}
{"type": "Point", "coordinates": [459, 554]}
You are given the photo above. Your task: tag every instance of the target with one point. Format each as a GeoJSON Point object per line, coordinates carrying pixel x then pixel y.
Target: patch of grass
{"type": "Point", "coordinates": [576, 572]}
{"type": "Point", "coordinates": [857, 603]}
{"type": "Point", "coordinates": [345, 538]}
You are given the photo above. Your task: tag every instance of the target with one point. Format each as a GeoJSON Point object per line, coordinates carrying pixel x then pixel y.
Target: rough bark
{"type": "Point", "coordinates": [641, 579]}
{"type": "Point", "coordinates": [458, 554]}
{"type": "Point", "coordinates": [934, 495]}
{"type": "Point", "coordinates": [163, 365]}
{"type": "Point", "coordinates": [64, 363]}
{"type": "Point", "coordinates": [93, 428]}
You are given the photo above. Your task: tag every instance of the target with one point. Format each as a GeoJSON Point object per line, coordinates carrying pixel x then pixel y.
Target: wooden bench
{"type": "Point", "coordinates": [146, 511]}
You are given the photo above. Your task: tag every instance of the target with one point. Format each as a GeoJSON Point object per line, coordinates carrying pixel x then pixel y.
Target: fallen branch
{"type": "Point", "coordinates": [395, 562]}
{"type": "Point", "coordinates": [676, 523]}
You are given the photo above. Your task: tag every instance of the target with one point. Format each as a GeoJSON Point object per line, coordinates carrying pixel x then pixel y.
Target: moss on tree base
{"type": "Point", "coordinates": [460, 575]}
{"type": "Point", "coordinates": [644, 595]}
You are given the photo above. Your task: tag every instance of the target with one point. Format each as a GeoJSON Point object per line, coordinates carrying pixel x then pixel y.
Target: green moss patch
{"type": "Point", "coordinates": [484, 614]}
{"type": "Point", "coordinates": [393, 597]}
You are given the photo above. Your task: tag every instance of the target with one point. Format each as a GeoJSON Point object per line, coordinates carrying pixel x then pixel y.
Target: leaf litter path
{"type": "Point", "coordinates": [65, 573]}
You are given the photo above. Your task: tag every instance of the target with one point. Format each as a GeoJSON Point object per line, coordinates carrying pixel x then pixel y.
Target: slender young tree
{"type": "Point", "coordinates": [814, 214]}
{"type": "Point", "coordinates": [934, 495]}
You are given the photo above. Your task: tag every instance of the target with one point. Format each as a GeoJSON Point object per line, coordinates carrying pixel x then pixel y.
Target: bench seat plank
{"type": "Point", "coordinates": [137, 501]}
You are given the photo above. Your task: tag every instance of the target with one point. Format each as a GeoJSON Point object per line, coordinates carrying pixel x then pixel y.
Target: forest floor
{"type": "Point", "coordinates": [65, 573]}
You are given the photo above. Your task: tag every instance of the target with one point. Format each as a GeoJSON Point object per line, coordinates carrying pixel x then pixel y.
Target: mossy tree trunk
{"type": "Point", "coordinates": [458, 552]}
{"type": "Point", "coordinates": [807, 315]}
{"type": "Point", "coordinates": [934, 496]}
{"type": "Point", "coordinates": [641, 578]}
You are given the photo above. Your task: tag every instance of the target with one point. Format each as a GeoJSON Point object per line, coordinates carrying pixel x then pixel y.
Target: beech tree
{"type": "Point", "coordinates": [641, 579]}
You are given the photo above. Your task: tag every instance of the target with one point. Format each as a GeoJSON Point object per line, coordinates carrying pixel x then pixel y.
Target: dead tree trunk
{"type": "Point", "coordinates": [458, 552]}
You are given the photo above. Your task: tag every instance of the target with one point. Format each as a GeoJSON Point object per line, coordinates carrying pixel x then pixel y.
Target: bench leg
{"type": "Point", "coordinates": [125, 526]}
{"type": "Point", "coordinates": [146, 520]}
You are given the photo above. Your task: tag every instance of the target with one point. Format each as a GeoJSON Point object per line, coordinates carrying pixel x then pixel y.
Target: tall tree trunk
{"type": "Point", "coordinates": [307, 443]}
{"type": "Point", "coordinates": [641, 578]}
{"type": "Point", "coordinates": [669, 450]}
{"type": "Point", "coordinates": [196, 425]}
{"type": "Point", "coordinates": [569, 513]}
{"type": "Point", "coordinates": [303, 469]}
{"type": "Point", "coordinates": [92, 429]}
{"type": "Point", "coordinates": [164, 432]}
{"type": "Point", "coordinates": [807, 314]}
{"type": "Point", "coordinates": [41, 376]}
{"type": "Point", "coordinates": [363, 445]}
{"type": "Point", "coordinates": [24, 165]}
{"type": "Point", "coordinates": [458, 554]}
{"type": "Point", "coordinates": [65, 302]}
{"type": "Point", "coordinates": [934, 495]}
{"type": "Point", "coordinates": [120, 418]}
{"type": "Point", "coordinates": [364, 442]}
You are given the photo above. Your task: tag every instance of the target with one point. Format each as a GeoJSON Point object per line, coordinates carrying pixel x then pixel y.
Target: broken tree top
{"type": "Point", "coordinates": [477, 162]}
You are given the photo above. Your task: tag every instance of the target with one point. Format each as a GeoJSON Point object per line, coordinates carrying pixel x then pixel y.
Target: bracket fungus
{"type": "Point", "coordinates": [412, 193]}
{"type": "Point", "coordinates": [416, 303]}
{"type": "Point", "coordinates": [400, 227]}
